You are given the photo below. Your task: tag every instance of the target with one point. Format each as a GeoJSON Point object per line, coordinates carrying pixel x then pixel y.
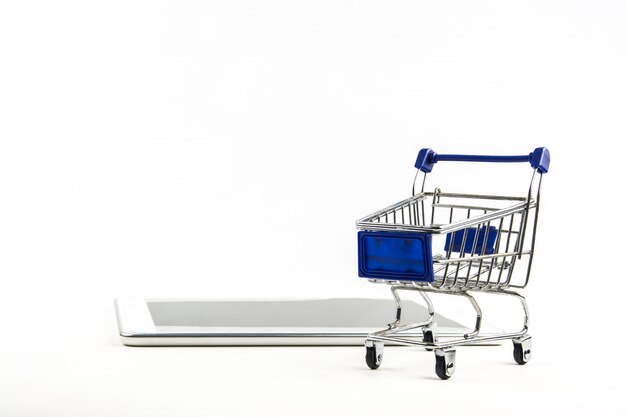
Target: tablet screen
{"type": "Point", "coordinates": [330, 313]}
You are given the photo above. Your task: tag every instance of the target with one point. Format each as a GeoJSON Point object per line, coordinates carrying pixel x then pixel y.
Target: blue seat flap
{"type": "Point", "coordinates": [469, 240]}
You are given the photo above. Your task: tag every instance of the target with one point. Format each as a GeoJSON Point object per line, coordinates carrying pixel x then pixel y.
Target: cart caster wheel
{"type": "Point", "coordinates": [445, 363]}
{"type": "Point", "coordinates": [373, 354]}
{"type": "Point", "coordinates": [429, 335]}
{"type": "Point", "coordinates": [522, 350]}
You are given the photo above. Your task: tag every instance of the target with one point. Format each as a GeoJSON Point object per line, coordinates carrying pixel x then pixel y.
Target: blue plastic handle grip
{"type": "Point", "coordinates": [539, 159]}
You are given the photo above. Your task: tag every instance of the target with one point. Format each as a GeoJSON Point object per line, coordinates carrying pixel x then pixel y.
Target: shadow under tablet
{"type": "Point", "coordinates": [339, 321]}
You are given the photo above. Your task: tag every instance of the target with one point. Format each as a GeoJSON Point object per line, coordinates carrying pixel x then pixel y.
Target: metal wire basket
{"type": "Point", "coordinates": [452, 243]}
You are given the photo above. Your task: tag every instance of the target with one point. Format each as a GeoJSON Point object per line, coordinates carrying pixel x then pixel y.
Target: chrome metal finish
{"type": "Point", "coordinates": [474, 268]}
{"type": "Point", "coordinates": [479, 316]}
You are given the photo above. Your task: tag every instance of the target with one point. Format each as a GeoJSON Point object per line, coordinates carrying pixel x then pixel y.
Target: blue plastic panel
{"type": "Point", "coordinates": [469, 240]}
{"type": "Point", "coordinates": [396, 256]}
{"type": "Point", "coordinates": [540, 159]}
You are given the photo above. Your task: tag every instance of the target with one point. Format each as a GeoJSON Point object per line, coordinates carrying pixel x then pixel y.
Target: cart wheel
{"type": "Point", "coordinates": [429, 337]}
{"type": "Point", "coordinates": [445, 363]}
{"type": "Point", "coordinates": [429, 334]}
{"type": "Point", "coordinates": [373, 354]}
{"type": "Point", "coordinates": [522, 350]}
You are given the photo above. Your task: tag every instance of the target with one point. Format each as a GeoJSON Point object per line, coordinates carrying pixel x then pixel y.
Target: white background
{"type": "Point", "coordinates": [224, 149]}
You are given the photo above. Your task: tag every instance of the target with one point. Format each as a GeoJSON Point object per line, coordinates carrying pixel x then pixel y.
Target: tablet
{"type": "Point", "coordinates": [198, 322]}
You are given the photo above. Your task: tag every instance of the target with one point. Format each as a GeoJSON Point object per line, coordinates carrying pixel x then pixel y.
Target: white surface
{"type": "Point", "coordinates": [143, 144]}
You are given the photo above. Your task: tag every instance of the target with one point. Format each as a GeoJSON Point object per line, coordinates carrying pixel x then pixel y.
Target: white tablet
{"type": "Point", "coordinates": [339, 321]}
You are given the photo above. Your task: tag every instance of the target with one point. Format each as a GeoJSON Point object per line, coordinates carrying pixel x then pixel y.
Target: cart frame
{"type": "Point", "coordinates": [495, 255]}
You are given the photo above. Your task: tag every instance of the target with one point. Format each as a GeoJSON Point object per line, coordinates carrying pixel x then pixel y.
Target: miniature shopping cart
{"type": "Point", "coordinates": [456, 244]}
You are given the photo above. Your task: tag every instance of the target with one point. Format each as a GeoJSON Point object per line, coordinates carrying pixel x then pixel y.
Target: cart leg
{"type": "Point", "coordinates": [522, 301]}
{"type": "Point", "coordinates": [396, 297]}
{"type": "Point", "coordinates": [395, 326]}
{"type": "Point", "coordinates": [525, 307]}
{"type": "Point", "coordinates": [479, 315]}
{"type": "Point", "coordinates": [429, 332]}
{"type": "Point", "coordinates": [445, 362]}
{"type": "Point", "coordinates": [429, 305]}
{"type": "Point", "coordinates": [431, 308]}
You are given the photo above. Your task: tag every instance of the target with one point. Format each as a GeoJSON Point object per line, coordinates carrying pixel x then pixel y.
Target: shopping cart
{"type": "Point", "coordinates": [456, 244]}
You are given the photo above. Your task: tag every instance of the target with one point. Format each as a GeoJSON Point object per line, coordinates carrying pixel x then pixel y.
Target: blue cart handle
{"type": "Point", "coordinates": [539, 159]}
